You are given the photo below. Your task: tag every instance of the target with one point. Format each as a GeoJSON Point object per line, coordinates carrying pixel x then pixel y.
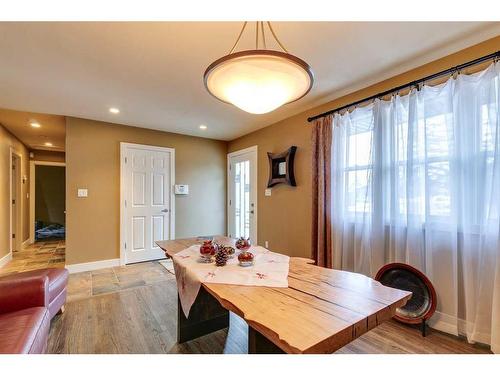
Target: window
{"type": "Point", "coordinates": [359, 164]}
{"type": "Point", "coordinates": [416, 180]}
{"type": "Point", "coordinates": [412, 173]}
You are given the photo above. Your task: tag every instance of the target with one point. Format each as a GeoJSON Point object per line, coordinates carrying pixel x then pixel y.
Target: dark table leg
{"type": "Point", "coordinates": [206, 316]}
{"type": "Point", "coordinates": [259, 344]}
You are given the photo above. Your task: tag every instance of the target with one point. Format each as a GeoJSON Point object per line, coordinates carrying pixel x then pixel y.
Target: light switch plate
{"type": "Point", "coordinates": [83, 193]}
{"type": "Point", "coordinates": [267, 193]}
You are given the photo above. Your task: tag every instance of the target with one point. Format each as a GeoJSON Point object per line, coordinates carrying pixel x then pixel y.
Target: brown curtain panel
{"type": "Point", "coordinates": [321, 245]}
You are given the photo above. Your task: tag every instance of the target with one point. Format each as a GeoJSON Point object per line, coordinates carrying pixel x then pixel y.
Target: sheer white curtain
{"type": "Point", "coordinates": [417, 180]}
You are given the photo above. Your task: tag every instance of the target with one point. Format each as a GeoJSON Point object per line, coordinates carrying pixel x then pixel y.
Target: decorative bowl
{"type": "Point", "coordinates": [243, 243]}
{"type": "Point", "coordinates": [207, 251]}
{"type": "Point", "coordinates": [245, 258]}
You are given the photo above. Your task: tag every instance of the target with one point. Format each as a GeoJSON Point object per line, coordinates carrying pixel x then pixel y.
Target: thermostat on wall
{"type": "Point", "coordinates": [181, 189]}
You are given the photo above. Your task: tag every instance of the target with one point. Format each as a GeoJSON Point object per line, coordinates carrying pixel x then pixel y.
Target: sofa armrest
{"type": "Point", "coordinates": [22, 293]}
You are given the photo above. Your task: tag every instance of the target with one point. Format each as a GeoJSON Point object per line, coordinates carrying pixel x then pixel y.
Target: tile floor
{"type": "Point", "coordinates": [109, 280]}
{"type": "Point", "coordinates": [41, 254]}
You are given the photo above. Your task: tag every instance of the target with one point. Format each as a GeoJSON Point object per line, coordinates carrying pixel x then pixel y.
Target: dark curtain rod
{"type": "Point", "coordinates": [410, 84]}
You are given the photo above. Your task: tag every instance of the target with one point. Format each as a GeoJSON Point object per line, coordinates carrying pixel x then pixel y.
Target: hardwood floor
{"type": "Point", "coordinates": [41, 254]}
{"type": "Point", "coordinates": [133, 309]}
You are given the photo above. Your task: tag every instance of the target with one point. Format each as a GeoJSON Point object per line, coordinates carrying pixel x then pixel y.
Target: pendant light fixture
{"type": "Point", "coordinates": [259, 80]}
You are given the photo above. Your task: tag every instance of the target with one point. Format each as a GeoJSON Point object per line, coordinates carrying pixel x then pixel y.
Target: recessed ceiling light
{"type": "Point", "coordinates": [35, 124]}
{"type": "Point", "coordinates": [114, 110]}
{"type": "Point", "coordinates": [48, 144]}
{"type": "Point", "coordinates": [203, 127]}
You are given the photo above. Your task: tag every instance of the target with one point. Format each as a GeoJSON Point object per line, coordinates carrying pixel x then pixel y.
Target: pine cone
{"type": "Point", "coordinates": [221, 257]}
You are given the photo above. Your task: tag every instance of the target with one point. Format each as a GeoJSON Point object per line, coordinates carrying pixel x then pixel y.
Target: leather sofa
{"type": "Point", "coordinates": [24, 317]}
{"type": "Point", "coordinates": [28, 301]}
{"type": "Point", "coordinates": [58, 281]}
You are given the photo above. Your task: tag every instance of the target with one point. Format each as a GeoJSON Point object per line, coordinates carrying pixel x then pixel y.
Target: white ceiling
{"type": "Point", "coordinates": [153, 71]}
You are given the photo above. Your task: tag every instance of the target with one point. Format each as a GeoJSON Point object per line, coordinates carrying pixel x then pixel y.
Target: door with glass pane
{"type": "Point", "coordinates": [242, 194]}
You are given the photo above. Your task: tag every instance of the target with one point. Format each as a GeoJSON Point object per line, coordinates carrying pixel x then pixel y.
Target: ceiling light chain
{"type": "Point", "coordinates": [239, 37]}
{"type": "Point", "coordinates": [261, 23]}
{"type": "Point", "coordinates": [257, 35]}
{"type": "Point", "coordinates": [276, 38]}
{"type": "Point", "coordinates": [263, 34]}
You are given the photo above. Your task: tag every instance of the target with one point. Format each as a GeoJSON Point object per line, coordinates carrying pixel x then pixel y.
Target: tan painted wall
{"type": "Point", "coordinates": [284, 219]}
{"type": "Point", "coordinates": [43, 155]}
{"type": "Point", "coordinates": [93, 162]}
{"type": "Point", "coordinates": [8, 140]}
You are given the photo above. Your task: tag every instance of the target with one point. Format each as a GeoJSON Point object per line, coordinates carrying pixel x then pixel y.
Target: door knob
{"type": "Point", "coordinates": [164, 210]}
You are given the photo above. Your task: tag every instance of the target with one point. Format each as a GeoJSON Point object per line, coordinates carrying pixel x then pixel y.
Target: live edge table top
{"type": "Point", "coordinates": [321, 310]}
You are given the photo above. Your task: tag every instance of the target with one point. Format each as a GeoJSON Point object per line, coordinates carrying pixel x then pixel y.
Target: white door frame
{"type": "Point", "coordinates": [19, 202]}
{"type": "Point", "coordinates": [123, 208]}
{"type": "Point", "coordinates": [33, 164]}
{"type": "Point", "coordinates": [253, 150]}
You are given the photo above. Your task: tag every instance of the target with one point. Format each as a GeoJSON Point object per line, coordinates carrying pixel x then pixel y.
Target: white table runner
{"type": "Point", "coordinates": [269, 269]}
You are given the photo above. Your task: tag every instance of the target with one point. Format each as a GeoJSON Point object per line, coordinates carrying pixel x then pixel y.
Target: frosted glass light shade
{"type": "Point", "coordinates": [258, 81]}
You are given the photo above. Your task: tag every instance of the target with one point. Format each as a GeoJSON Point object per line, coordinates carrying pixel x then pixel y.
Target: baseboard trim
{"type": "Point", "coordinates": [91, 266]}
{"type": "Point", "coordinates": [444, 323]}
{"type": "Point", "coordinates": [458, 327]}
{"type": "Point", "coordinates": [5, 259]}
{"type": "Point", "coordinates": [26, 243]}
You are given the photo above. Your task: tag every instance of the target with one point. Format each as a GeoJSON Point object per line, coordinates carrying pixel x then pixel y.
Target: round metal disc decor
{"type": "Point", "coordinates": [422, 303]}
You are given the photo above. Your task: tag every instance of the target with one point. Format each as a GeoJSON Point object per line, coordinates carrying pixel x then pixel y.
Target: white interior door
{"type": "Point", "coordinates": [147, 201]}
{"type": "Point", "coordinates": [242, 194]}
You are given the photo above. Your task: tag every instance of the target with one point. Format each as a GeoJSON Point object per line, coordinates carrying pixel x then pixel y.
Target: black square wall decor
{"type": "Point", "coordinates": [281, 167]}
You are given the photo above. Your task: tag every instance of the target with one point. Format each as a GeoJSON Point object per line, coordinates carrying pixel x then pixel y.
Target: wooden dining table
{"type": "Point", "coordinates": [320, 311]}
